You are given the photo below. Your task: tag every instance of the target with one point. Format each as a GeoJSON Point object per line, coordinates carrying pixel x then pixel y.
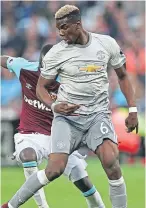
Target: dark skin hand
{"type": "Point", "coordinates": [131, 121]}
{"type": "Point", "coordinates": [65, 108]}
{"type": "Point", "coordinates": [42, 93]}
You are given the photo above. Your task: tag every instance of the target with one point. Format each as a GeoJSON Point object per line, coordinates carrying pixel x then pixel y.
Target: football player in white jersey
{"type": "Point", "coordinates": [32, 142]}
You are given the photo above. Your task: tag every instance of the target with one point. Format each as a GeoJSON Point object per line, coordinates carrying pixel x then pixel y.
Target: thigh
{"type": "Point", "coordinates": [65, 138]}
{"type": "Point", "coordinates": [102, 128]}
{"type": "Point", "coordinates": [108, 153]}
{"type": "Point", "coordinates": [109, 156]}
{"type": "Point", "coordinates": [44, 144]}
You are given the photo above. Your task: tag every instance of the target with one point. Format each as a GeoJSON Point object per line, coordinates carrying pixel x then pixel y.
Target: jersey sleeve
{"type": "Point", "coordinates": [117, 58]}
{"type": "Point", "coordinates": [16, 64]}
{"type": "Point", "coordinates": [50, 65]}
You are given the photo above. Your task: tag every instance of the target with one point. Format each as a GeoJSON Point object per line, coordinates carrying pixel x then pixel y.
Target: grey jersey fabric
{"type": "Point", "coordinates": [82, 70]}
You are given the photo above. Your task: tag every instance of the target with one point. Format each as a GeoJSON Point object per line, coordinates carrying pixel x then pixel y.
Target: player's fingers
{"type": "Point", "coordinates": [130, 123]}
{"type": "Point", "coordinates": [73, 105]}
{"type": "Point", "coordinates": [73, 108]}
{"type": "Point", "coordinates": [68, 106]}
{"type": "Point", "coordinates": [126, 122]}
{"type": "Point", "coordinates": [69, 112]}
{"type": "Point", "coordinates": [136, 128]}
{"type": "Point", "coordinates": [130, 129]}
{"type": "Point", "coordinates": [64, 107]}
{"type": "Point", "coordinates": [74, 114]}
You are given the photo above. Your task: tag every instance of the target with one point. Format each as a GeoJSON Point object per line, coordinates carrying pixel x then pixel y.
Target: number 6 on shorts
{"type": "Point", "coordinates": [103, 128]}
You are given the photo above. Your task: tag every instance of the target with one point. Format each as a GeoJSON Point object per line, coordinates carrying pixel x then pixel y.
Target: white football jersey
{"type": "Point", "coordinates": [82, 71]}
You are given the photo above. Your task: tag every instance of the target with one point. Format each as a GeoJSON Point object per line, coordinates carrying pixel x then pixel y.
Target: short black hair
{"type": "Point", "coordinates": [43, 52]}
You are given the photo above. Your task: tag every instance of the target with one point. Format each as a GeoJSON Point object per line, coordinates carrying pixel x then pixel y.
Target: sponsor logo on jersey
{"type": "Point", "coordinates": [91, 68]}
{"type": "Point", "coordinates": [28, 86]}
{"type": "Point", "coordinates": [36, 103]}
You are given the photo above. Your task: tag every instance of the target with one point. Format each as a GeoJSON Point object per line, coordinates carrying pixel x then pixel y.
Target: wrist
{"type": "Point", "coordinates": [52, 106]}
{"type": "Point", "coordinates": [132, 109]}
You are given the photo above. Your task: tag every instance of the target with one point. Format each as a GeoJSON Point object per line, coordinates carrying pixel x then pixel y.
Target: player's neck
{"type": "Point", "coordinates": [83, 38]}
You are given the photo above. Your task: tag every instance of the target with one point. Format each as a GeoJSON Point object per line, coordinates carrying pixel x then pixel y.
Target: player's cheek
{"type": "Point", "coordinates": [73, 37]}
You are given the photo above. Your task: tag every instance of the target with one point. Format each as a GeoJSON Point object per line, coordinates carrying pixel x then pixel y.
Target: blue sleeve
{"type": "Point", "coordinates": [16, 64]}
{"type": "Point", "coordinates": [58, 79]}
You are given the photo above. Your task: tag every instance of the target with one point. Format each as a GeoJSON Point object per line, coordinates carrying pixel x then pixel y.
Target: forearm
{"type": "Point", "coordinates": [4, 61]}
{"type": "Point", "coordinates": [127, 89]}
{"type": "Point", "coordinates": [44, 96]}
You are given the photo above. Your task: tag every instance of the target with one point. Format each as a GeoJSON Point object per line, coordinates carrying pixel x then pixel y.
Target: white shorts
{"type": "Point", "coordinates": [42, 145]}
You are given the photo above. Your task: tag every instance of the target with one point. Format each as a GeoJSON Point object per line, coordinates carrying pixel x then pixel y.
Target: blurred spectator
{"type": "Point", "coordinates": [10, 92]}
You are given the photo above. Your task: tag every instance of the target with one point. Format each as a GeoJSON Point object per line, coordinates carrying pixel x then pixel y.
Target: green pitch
{"type": "Point", "coordinates": [62, 194]}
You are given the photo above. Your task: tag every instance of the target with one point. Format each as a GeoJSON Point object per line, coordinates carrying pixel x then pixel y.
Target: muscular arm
{"type": "Point", "coordinates": [126, 86]}
{"type": "Point", "coordinates": [42, 92]}
{"type": "Point", "coordinates": [131, 121]}
{"type": "Point", "coordinates": [4, 61]}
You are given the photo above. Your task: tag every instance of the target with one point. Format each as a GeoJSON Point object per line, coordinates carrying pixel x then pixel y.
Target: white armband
{"type": "Point", "coordinates": [132, 109]}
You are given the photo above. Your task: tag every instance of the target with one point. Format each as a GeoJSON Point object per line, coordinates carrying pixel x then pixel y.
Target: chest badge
{"type": "Point", "coordinates": [100, 55]}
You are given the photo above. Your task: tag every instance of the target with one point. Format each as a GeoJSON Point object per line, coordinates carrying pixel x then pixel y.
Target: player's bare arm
{"type": "Point", "coordinates": [4, 61]}
{"type": "Point", "coordinates": [42, 94]}
{"type": "Point", "coordinates": [131, 121]}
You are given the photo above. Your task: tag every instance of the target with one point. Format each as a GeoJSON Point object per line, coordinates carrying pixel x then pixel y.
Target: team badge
{"type": "Point", "coordinates": [60, 145]}
{"type": "Point", "coordinates": [100, 55]}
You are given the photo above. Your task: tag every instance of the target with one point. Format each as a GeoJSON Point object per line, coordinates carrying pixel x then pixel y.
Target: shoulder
{"type": "Point", "coordinates": [15, 63]}
{"type": "Point", "coordinates": [15, 60]}
{"type": "Point", "coordinates": [21, 63]}
{"type": "Point", "coordinates": [55, 50]}
{"type": "Point", "coordinates": [106, 41]}
{"type": "Point", "coordinates": [103, 38]}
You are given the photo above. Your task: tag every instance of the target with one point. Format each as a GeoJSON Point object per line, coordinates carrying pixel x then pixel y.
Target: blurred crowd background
{"type": "Point", "coordinates": [28, 25]}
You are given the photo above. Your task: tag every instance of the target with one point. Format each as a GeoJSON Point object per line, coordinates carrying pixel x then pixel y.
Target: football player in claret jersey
{"type": "Point", "coordinates": [32, 142]}
{"type": "Point", "coordinates": [81, 61]}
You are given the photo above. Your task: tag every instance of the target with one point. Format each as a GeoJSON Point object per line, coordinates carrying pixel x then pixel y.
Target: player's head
{"type": "Point", "coordinates": [44, 50]}
{"type": "Point", "coordinates": [68, 22]}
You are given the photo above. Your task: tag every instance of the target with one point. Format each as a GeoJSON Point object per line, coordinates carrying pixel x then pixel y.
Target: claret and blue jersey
{"type": "Point", "coordinates": [35, 116]}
